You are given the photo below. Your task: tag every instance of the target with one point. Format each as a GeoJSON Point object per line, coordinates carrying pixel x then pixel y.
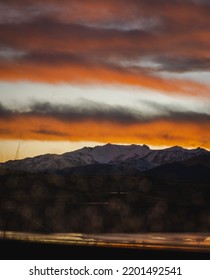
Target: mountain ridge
{"type": "Point", "coordinates": [137, 156]}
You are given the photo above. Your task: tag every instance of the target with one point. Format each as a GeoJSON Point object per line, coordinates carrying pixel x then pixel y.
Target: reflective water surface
{"type": "Point", "coordinates": [180, 241]}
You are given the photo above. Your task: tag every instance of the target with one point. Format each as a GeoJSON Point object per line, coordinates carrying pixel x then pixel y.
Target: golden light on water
{"type": "Point", "coordinates": [165, 241]}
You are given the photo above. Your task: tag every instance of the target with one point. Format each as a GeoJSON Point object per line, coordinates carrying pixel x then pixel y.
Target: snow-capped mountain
{"type": "Point", "coordinates": [140, 157]}
{"type": "Point", "coordinates": [172, 154]}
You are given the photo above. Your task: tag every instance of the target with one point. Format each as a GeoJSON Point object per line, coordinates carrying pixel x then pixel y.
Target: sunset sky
{"type": "Point", "coordinates": [77, 73]}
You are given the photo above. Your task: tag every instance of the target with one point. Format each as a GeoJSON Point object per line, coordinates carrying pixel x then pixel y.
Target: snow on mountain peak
{"type": "Point", "coordinates": [135, 155]}
{"type": "Point", "coordinates": [109, 152]}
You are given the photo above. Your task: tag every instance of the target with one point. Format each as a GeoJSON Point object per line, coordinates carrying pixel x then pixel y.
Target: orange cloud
{"type": "Point", "coordinates": [79, 74]}
{"type": "Point", "coordinates": [161, 132]}
{"type": "Point", "coordinates": [174, 37]}
{"type": "Point", "coordinates": [74, 43]}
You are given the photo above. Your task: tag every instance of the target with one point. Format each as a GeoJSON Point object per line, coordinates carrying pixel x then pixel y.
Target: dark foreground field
{"type": "Point", "coordinates": [107, 199]}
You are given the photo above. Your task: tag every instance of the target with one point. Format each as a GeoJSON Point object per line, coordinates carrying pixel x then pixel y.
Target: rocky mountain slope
{"type": "Point", "coordinates": [136, 156]}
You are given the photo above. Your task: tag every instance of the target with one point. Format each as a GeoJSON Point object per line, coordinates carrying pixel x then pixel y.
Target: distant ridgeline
{"type": "Point", "coordinates": [140, 157]}
{"type": "Point", "coordinates": [109, 188]}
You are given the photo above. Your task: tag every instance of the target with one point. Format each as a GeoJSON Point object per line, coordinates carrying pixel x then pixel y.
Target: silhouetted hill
{"type": "Point", "coordinates": [203, 160]}
{"type": "Point", "coordinates": [181, 171]}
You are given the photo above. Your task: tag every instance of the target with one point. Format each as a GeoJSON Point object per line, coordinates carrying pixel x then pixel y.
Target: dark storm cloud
{"type": "Point", "coordinates": [89, 111]}
{"type": "Point", "coordinates": [180, 30]}
{"type": "Point", "coordinates": [92, 111]}
{"type": "Point", "coordinates": [101, 113]}
{"type": "Point", "coordinates": [177, 114]}
{"type": "Point", "coordinates": [50, 36]}
{"type": "Point", "coordinates": [5, 113]}
{"type": "Point", "coordinates": [49, 132]}
{"type": "Point", "coordinates": [58, 59]}
{"type": "Point", "coordinates": [179, 65]}
{"type": "Point", "coordinates": [187, 116]}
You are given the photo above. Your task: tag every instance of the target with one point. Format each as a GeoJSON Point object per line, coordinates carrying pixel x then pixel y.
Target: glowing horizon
{"type": "Point", "coordinates": [18, 149]}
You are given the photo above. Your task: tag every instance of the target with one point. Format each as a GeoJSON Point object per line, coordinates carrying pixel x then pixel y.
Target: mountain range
{"type": "Point", "coordinates": [136, 156]}
{"type": "Point", "coordinates": [110, 188]}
